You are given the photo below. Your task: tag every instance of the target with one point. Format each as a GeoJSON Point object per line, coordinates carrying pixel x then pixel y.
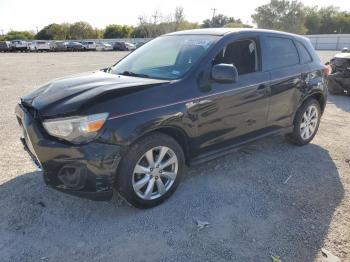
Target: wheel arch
{"type": "Point", "coordinates": [320, 98]}
{"type": "Point", "coordinates": [177, 133]}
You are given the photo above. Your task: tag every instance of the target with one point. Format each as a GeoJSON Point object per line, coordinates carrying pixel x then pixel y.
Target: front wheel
{"type": "Point", "coordinates": [306, 123]}
{"type": "Point", "coordinates": [150, 171]}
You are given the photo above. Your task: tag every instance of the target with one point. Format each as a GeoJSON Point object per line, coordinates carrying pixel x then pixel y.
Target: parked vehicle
{"type": "Point", "coordinates": [5, 46]}
{"type": "Point", "coordinates": [19, 45]}
{"type": "Point", "coordinates": [58, 46]}
{"type": "Point", "coordinates": [183, 98]}
{"type": "Point", "coordinates": [101, 46]}
{"type": "Point", "coordinates": [140, 43]}
{"type": "Point", "coordinates": [74, 46]}
{"type": "Point", "coordinates": [89, 45]}
{"type": "Point", "coordinates": [39, 45]}
{"type": "Point", "coordinates": [120, 46]}
{"type": "Point", "coordinates": [339, 79]}
{"type": "Point", "coordinates": [130, 46]}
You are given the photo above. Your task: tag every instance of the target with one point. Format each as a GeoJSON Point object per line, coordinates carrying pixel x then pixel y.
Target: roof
{"type": "Point", "coordinates": [225, 31]}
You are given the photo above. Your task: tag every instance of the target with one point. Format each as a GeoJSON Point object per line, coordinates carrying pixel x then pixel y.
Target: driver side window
{"type": "Point", "coordinates": [243, 54]}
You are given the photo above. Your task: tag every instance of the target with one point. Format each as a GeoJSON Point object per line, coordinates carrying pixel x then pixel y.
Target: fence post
{"type": "Point", "coordinates": [337, 47]}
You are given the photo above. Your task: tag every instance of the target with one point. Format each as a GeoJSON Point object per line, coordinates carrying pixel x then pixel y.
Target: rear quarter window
{"type": "Point", "coordinates": [305, 56]}
{"type": "Point", "coordinates": [282, 52]}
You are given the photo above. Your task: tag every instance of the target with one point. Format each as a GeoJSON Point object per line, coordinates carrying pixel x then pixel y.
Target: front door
{"type": "Point", "coordinates": [232, 111]}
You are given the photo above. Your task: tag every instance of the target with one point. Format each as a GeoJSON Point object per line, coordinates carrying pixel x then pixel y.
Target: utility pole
{"type": "Point", "coordinates": [214, 11]}
{"type": "Point", "coordinates": [37, 31]}
{"type": "Point", "coordinates": [155, 16]}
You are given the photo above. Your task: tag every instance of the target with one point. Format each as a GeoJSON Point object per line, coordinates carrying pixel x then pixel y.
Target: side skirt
{"type": "Point", "coordinates": [234, 147]}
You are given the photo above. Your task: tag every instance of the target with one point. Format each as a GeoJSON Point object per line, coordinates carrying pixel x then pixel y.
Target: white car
{"type": "Point", "coordinates": [39, 45]}
{"type": "Point", "coordinates": [104, 47]}
{"type": "Point", "coordinates": [130, 46]}
{"type": "Point", "coordinates": [19, 45]}
{"type": "Point", "coordinates": [89, 45]}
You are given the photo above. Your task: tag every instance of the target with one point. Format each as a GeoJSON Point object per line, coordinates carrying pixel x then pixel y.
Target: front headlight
{"type": "Point", "coordinates": [76, 129]}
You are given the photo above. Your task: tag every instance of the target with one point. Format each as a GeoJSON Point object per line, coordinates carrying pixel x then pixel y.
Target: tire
{"type": "Point", "coordinates": [135, 186]}
{"type": "Point", "coordinates": [306, 123]}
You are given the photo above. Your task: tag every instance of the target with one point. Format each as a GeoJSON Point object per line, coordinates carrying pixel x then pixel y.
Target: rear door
{"type": "Point", "coordinates": [288, 79]}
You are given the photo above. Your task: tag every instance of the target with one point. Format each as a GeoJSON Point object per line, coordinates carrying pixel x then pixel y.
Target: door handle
{"type": "Point", "coordinates": [261, 87]}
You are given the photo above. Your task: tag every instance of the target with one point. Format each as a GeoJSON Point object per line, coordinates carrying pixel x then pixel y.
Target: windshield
{"type": "Point", "coordinates": [166, 57]}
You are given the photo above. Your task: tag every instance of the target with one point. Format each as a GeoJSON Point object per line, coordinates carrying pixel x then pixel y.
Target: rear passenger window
{"type": "Point", "coordinates": [305, 56]}
{"type": "Point", "coordinates": [282, 52]}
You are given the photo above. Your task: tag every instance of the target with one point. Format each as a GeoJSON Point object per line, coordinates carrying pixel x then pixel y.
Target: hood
{"type": "Point", "coordinates": [343, 55]}
{"type": "Point", "coordinates": [67, 95]}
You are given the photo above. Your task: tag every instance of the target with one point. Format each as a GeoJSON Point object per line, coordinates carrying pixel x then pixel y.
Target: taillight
{"type": "Point", "coordinates": [326, 70]}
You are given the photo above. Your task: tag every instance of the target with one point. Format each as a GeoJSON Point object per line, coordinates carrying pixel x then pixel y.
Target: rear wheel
{"type": "Point", "coordinates": [150, 171]}
{"type": "Point", "coordinates": [306, 123]}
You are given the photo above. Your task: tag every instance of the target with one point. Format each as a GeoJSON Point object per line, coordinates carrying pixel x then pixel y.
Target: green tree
{"type": "Point", "coordinates": [82, 30]}
{"type": "Point", "coordinates": [220, 20]}
{"type": "Point", "coordinates": [117, 31]}
{"type": "Point", "coordinates": [342, 23]}
{"type": "Point", "coordinates": [327, 20]}
{"type": "Point", "coordinates": [312, 20]}
{"type": "Point", "coordinates": [237, 25]}
{"type": "Point", "coordinates": [20, 35]}
{"type": "Point", "coordinates": [179, 17]}
{"type": "Point", "coordinates": [54, 32]}
{"type": "Point", "coordinates": [281, 15]}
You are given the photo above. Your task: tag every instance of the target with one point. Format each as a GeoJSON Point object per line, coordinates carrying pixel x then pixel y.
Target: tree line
{"type": "Point", "coordinates": [290, 16]}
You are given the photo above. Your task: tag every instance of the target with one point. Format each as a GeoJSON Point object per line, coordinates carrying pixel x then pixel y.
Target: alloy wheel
{"type": "Point", "coordinates": [309, 122]}
{"type": "Point", "coordinates": [155, 173]}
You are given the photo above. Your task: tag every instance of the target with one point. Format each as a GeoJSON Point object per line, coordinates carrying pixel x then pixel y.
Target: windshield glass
{"type": "Point", "coordinates": [166, 57]}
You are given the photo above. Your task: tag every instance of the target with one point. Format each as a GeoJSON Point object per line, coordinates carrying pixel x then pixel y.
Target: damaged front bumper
{"type": "Point", "coordinates": [339, 80]}
{"type": "Point", "coordinates": [86, 170]}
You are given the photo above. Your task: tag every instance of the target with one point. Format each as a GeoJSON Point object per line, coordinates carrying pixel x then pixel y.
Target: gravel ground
{"type": "Point", "coordinates": [268, 198]}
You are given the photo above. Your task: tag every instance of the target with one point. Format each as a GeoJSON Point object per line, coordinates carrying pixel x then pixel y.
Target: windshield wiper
{"type": "Point", "coordinates": [129, 73]}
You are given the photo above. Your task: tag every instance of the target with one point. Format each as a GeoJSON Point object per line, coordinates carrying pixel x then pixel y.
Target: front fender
{"type": "Point", "coordinates": [126, 129]}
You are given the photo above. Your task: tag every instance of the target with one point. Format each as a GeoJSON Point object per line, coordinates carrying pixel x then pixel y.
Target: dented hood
{"type": "Point", "coordinates": [67, 95]}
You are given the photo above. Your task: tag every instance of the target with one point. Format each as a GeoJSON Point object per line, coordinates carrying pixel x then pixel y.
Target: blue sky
{"type": "Point", "coordinates": [32, 14]}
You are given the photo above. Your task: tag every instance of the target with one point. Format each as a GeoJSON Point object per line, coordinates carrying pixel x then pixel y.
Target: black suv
{"type": "Point", "coordinates": [182, 98]}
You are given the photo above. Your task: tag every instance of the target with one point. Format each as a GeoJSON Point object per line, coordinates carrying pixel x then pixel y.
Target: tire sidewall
{"type": "Point", "coordinates": [129, 161]}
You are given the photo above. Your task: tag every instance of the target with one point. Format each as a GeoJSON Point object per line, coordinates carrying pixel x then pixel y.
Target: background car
{"type": "Point", "coordinates": [339, 79]}
{"type": "Point", "coordinates": [120, 46]}
{"type": "Point", "coordinates": [57, 46]}
{"type": "Point", "coordinates": [101, 46]}
{"type": "Point", "coordinates": [39, 45]}
{"type": "Point", "coordinates": [130, 46]}
{"type": "Point", "coordinates": [19, 45]}
{"type": "Point", "coordinates": [74, 46]}
{"type": "Point", "coordinates": [5, 46]}
{"type": "Point", "coordinates": [89, 45]}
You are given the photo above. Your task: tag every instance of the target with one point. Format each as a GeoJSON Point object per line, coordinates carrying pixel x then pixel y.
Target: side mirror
{"type": "Point", "coordinates": [224, 73]}
{"type": "Point", "coordinates": [106, 70]}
